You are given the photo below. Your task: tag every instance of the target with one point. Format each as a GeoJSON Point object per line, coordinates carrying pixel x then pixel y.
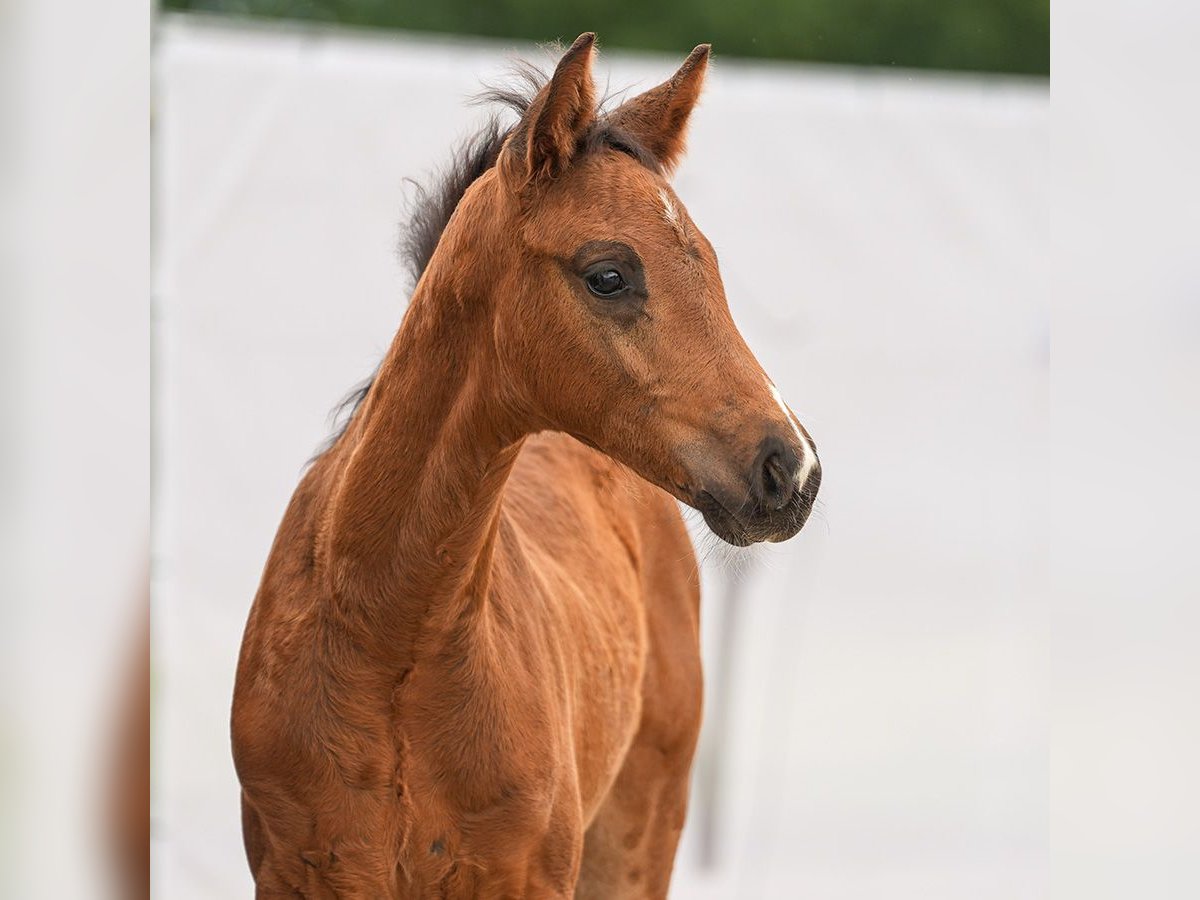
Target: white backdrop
{"type": "Point", "coordinates": [881, 237]}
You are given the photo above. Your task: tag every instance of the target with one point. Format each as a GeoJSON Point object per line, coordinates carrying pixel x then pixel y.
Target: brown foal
{"type": "Point", "coordinates": [472, 668]}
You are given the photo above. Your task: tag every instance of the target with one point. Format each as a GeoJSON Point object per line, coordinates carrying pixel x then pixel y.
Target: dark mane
{"type": "Point", "coordinates": [432, 206]}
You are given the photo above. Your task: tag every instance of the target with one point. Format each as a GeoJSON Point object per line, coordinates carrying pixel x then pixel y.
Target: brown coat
{"type": "Point", "coordinates": [472, 668]}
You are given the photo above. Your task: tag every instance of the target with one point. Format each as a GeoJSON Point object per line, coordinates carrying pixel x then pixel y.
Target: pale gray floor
{"type": "Point", "coordinates": [881, 237]}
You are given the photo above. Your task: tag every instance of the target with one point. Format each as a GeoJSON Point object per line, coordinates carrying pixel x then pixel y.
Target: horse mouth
{"type": "Point", "coordinates": [759, 526]}
{"type": "Point", "coordinates": [721, 522]}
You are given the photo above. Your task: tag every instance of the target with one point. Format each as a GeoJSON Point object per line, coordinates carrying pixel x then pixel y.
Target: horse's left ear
{"type": "Point", "coordinates": [545, 140]}
{"type": "Point", "coordinates": [659, 117]}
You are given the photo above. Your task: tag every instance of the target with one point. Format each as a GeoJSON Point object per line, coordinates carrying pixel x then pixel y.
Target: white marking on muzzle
{"type": "Point", "coordinates": [808, 457]}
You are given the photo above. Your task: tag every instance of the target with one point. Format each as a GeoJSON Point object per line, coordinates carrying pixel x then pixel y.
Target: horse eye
{"type": "Point", "coordinates": [605, 282]}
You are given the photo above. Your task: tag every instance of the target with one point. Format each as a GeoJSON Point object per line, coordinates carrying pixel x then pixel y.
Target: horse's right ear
{"type": "Point", "coordinates": [545, 140]}
{"type": "Point", "coordinates": [659, 117]}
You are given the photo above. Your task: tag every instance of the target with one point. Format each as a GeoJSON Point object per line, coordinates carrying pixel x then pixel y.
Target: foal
{"type": "Point", "coordinates": [472, 668]}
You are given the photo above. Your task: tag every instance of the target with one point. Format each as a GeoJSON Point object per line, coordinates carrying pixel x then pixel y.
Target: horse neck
{"type": "Point", "coordinates": [415, 508]}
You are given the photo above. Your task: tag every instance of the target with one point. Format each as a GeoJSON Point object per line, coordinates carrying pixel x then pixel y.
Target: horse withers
{"type": "Point", "coordinates": [472, 668]}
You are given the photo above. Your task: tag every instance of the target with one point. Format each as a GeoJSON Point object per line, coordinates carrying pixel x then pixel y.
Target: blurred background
{"type": "Point", "coordinates": [881, 689]}
{"type": "Point", "coordinates": [197, 260]}
{"type": "Point", "coordinates": [973, 35]}
{"type": "Point", "coordinates": [874, 178]}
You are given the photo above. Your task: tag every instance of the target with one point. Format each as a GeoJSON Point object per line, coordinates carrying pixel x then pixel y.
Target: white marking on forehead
{"type": "Point", "coordinates": [807, 457]}
{"type": "Point", "coordinates": [672, 213]}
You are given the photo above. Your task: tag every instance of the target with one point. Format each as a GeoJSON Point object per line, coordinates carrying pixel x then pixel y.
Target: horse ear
{"type": "Point", "coordinates": [543, 142]}
{"type": "Point", "coordinates": [659, 117]}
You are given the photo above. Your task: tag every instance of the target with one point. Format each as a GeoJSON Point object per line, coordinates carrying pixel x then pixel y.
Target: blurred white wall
{"type": "Point", "coordinates": [74, 431]}
{"type": "Point", "coordinates": [881, 237]}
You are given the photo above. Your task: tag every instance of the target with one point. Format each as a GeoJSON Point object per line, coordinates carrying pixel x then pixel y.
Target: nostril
{"type": "Point", "coordinates": [774, 475]}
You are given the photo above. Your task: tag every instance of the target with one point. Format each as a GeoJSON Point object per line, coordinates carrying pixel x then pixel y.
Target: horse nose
{"type": "Point", "coordinates": [774, 475]}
